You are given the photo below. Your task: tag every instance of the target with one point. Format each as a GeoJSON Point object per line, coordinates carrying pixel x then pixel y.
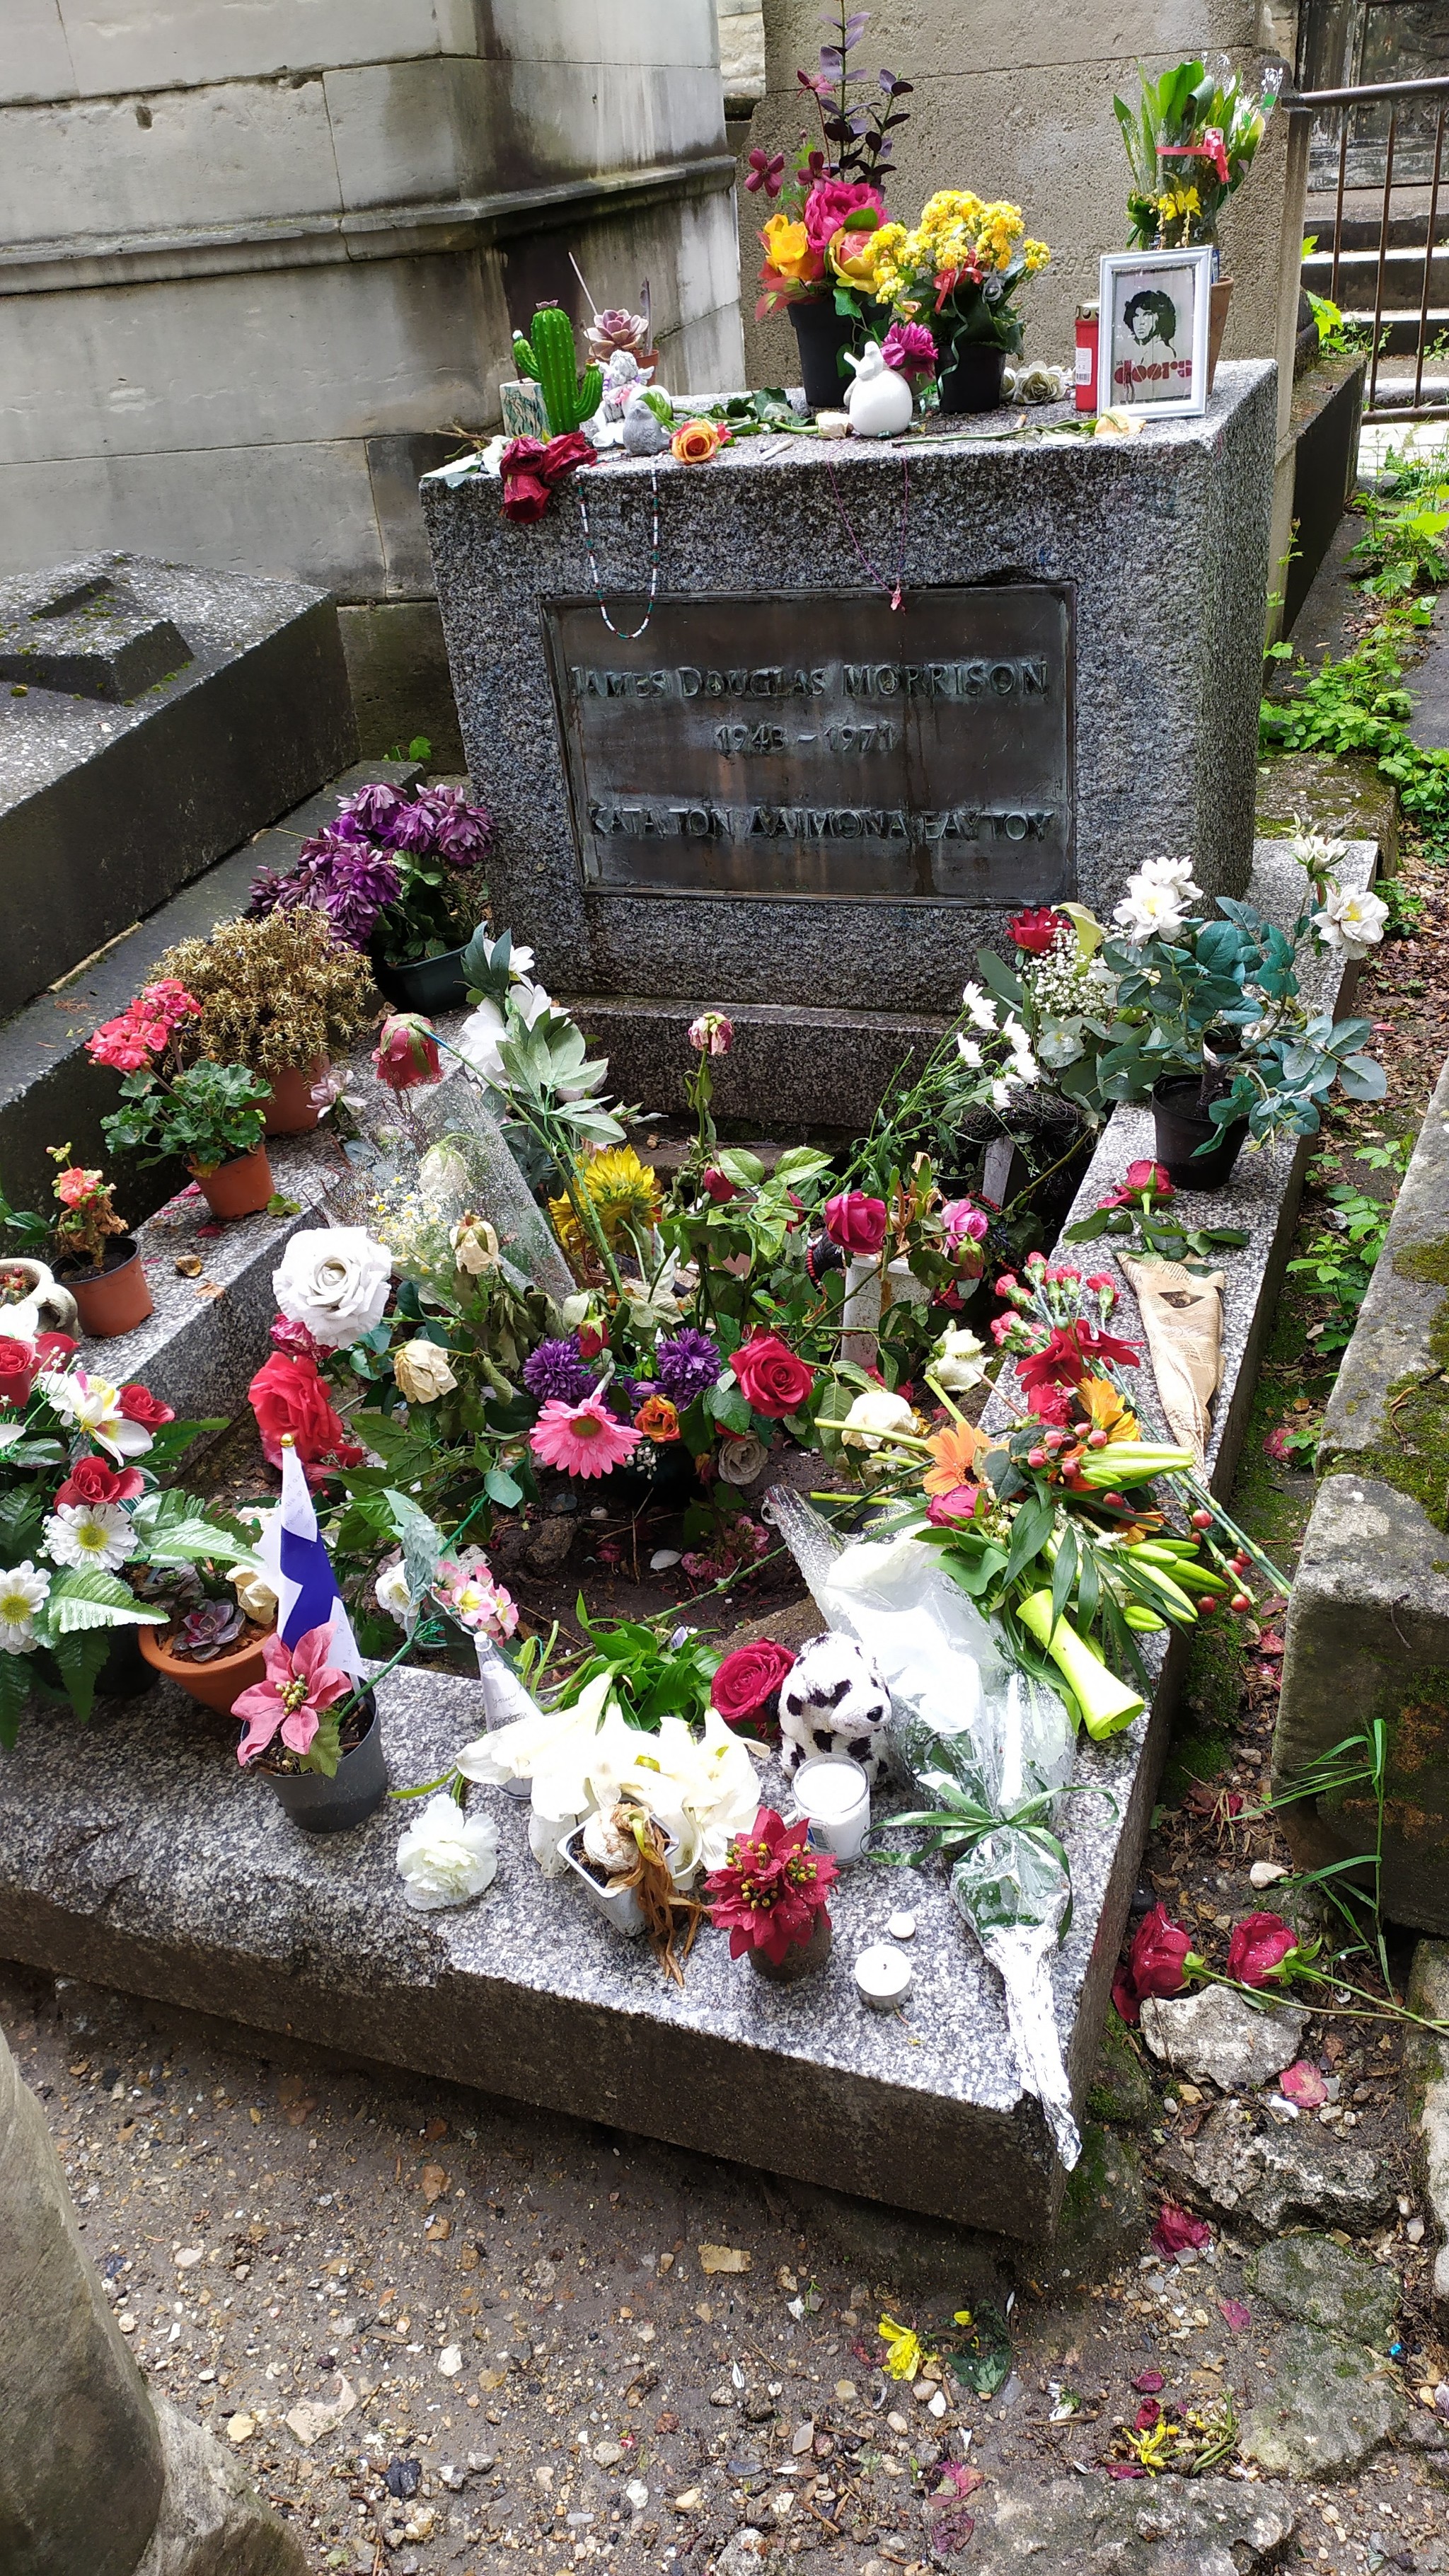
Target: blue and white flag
{"type": "Point", "coordinates": [299, 1570]}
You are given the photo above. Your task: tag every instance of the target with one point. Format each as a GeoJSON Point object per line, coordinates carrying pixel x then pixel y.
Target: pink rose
{"type": "Point", "coordinates": [832, 202]}
{"type": "Point", "coordinates": [856, 1223]}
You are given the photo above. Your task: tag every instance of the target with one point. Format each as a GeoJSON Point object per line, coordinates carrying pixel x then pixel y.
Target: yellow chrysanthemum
{"type": "Point", "coordinates": [624, 1191]}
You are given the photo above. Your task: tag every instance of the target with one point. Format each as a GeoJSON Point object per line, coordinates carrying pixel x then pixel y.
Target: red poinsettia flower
{"type": "Point", "coordinates": [771, 1889]}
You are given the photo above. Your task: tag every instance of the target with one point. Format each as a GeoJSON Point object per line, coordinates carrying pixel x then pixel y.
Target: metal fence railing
{"type": "Point", "coordinates": [1378, 152]}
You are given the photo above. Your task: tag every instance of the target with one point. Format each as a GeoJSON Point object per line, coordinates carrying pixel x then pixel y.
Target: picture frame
{"type": "Point", "coordinates": [1155, 308]}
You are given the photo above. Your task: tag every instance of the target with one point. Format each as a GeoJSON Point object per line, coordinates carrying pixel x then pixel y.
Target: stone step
{"type": "Point", "coordinates": [49, 1089]}
{"type": "Point", "coordinates": [133, 1855]}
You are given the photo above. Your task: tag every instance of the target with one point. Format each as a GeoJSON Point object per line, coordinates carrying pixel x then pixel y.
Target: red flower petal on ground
{"type": "Point", "coordinates": [1150, 2383]}
{"type": "Point", "coordinates": [1237, 2316]}
{"type": "Point", "coordinates": [1124, 2469]}
{"type": "Point", "coordinates": [1177, 2231]}
{"type": "Point", "coordinates": [1303, 2084]}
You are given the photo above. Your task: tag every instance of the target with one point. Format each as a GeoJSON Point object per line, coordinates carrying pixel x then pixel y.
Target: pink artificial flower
{"type": "Point", "coordinates": [711, 1034]}
{"type": "Point", "coordinates": [964, 1222]}
{"type": "Point", "coordinates": [767, 171]}
{"type": "Point", "coordinates": [909, 348]}
{"type": "Point", "coordinates": [583, 1439]}
{"type": "Point", "coordinates": [832, 202]}
{"type": "Point", "coordinates": [299, 1688]}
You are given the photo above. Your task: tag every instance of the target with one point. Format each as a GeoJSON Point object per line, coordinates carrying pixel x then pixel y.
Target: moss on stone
{"type": "Point", "coordinates": [1345, 799]}
{"type": "Point", "coordinates": [1121, 2089]}
{"type": "Point", "coordinates": [1413, 1454]}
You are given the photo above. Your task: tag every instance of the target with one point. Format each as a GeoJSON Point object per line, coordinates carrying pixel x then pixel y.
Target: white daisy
{"type": "Point", "coordinates": [96, 1535]}
{"type": "Point", "coordinates": [969, 1053]}
{"type": "Point", "coordinates": [979, 1007]}
{"type": "Point", "coordinates": [1001, 1093]}
{"type": "Point", "coordinates": [23, 1590]}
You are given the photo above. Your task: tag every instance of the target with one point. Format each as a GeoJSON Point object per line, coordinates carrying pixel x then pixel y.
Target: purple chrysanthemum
{"type": "Point", "coordinates": [559, 1369]}
{"type": "Point", "coordinates": [464, 832]}
{"type": "Point", "coordinates": [369, 814]}
{"type": "Point", "coordinates": [686, 1365]}
{"type": "Point", "coordinates": [413, 828]}
{"type": "Point", "coordinates": [269, 893]}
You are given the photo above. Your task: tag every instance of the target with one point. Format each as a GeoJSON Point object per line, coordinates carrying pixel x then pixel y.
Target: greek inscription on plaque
{"type": "Point", "coordinates": [822, 745]}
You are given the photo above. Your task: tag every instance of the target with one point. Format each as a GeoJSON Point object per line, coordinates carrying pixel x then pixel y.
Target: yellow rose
{"type": "Point", "coordinates": [422, 1372]}
{"type": "Point", "coordinates": [256, 1596]}
{"type": "Point", "coordinates": [853, 256]}
{"type": "Point", "coordinates": [787, 245]}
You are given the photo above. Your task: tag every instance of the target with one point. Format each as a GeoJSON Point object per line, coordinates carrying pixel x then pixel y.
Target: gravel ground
{"type": "Point", "coordinates": [520, 2317]}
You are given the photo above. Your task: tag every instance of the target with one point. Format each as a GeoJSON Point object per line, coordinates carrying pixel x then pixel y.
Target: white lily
{"type": "Point", "coordinates": [94, 1404]}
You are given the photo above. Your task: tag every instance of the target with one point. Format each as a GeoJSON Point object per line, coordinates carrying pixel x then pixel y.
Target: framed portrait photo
{"type": "Point", "coordinates": [1155, 309]}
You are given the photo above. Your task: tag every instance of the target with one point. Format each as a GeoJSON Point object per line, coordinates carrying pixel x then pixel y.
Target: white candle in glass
{"type": "Point", "coordinates": [882, 1976]}
{"type": "Point", "coordinates": [834, 1793]}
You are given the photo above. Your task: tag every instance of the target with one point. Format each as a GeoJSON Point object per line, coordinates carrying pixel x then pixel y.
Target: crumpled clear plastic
{"type": "Point", "coordinates": [469, 1169]}
{"type": "Point", "coordinates": [969, 1721]}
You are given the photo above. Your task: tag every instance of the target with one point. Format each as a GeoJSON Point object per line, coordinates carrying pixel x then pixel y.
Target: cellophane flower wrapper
{"type": "Point", "coordinates": [966, 1721]}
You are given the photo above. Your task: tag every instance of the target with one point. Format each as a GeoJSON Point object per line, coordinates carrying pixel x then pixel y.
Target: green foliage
{"type": "Point", "coordinates": [206, 1115]}
{"type": "Point", "coordinates": [1175, 111]}
{"type": "Point", "coordinates": [1359, 705]}
{"type": "Point", "coordinates": [30, 1229]}
{"type": "Point", "coordinates": [1402, 548]}
{"type": "Point", "coordinates": [1339, 1262]}
{"type": "Point", "coordinates": [549, 357]}
{"type": "Point", "coordinates": [649, 1678]}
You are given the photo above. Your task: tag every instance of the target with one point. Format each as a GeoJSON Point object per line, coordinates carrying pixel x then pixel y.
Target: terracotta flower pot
{"type": "Point", "coordinates": [115, 1298]}
{"type": "Point", "coordinates": [215, 1684]}
{"type": "Point", "coordinates": [291, 1109]}
{"type": "Point", "coordinates": [1219, 298]}
{"type": "Point", "coordinates": [241, 1187]}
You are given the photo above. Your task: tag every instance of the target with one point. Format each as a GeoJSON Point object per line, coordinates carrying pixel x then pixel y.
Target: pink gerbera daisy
{"type": "Point", "coordinates": [583, 1439]}
{"type": "Point", "coordinates": [300, 1686]}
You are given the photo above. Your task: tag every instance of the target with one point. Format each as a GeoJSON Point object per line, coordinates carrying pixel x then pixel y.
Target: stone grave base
{"type": "Point", "coordinates": [133, 1854]}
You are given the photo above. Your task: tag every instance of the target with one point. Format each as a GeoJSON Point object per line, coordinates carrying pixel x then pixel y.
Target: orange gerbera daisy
{"type": "Point", "coordinates": [954, 1453]}
{"type": "Point", "coordinates": [1107, 1409]}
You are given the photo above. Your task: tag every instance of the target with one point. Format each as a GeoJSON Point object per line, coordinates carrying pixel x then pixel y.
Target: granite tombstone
{"type": "Point", "coordinates": [791, 734]}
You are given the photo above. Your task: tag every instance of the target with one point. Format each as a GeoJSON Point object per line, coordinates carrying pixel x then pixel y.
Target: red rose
{"type": "Point", "coordinates": [718, 1186]}
{"type": "Point", "coordinates": [55, 1347]}
{"type": "Point", "coordinates": [288, 1395]}
{"type": "Point", "coordinates": [91, 1481]}
{"type": "Point", "coordinates": [770, 1377]}
{"type": "Point", "coordinates": [1155, 1963]}
{"type": "Point", "coordinates": [531, 472]}
{"type": "Point", "coordinates": [746, 1688]}
{"type": "Point", "coordinates": [590, 1341]}
{"type": "Point", "coordinates": [1147, 1175]}
{"type": "Point", "coordinates": [856, 1223]}
{"type": "Point", "coordinates": [20, 1366]}
{"type": "Point", "coordinates": [406, 1054]}
{"type": "Point", "coordinates": [1258, 1948]}
{"type": "Point", "coordinates": [1035, 929]}
{"type": "Point", "coordinates": [138, 1404]}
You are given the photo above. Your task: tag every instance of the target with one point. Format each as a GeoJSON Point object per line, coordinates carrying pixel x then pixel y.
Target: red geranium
{"type": "Point", "coordinates": [1156, 1963]}
{"type": "Point", "coordinates": [771, 1889]}
{"type": "Point", "coordinates": [856, 1223]}
{"type": "Point", "coordinates": [746, 1688]}
{"type": "Point", "coordinates": [770, 1377]}
{"type": "Point", "coordinates": [92, 1481]}
{"type": "Point", "coordinates": [287, 1394]}
{"type": "Point", "coordinates": [138, 1404]}
{"type": "Point", "coordinates": [1035, 929]}
{"type": "Point", "coordinates": [1261, 1946]}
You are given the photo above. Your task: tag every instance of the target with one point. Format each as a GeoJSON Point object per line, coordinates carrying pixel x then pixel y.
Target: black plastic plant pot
{"type": "Point", "coordinates": [1181, 1127]}
{"type": "Point", "coordinates": [429, 985]}
{"type": "Point", "coordinates": [823, 334]}
{"type": "Point", "coordinates": [972, 382]}
{"type": "Point", "coordinates": [355, 1791]}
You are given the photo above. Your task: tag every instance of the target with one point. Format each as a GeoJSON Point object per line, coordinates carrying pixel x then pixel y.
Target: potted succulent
{"type": "Point", "coordinates": [312, 1733]}
{"type": "Point", "coordinates": [770, 1897]}
{"type": "Point", "coordinates": [1209, 1023]}
{"type": "Point", "coordinates": [281, 995]}
{"type": "Point", "coordinates": [820, 244]}
{"type": "Point", "coordinates": [101, 1262]}
{"type": "Point", "coordinates": [212, 1648]}
{"type": "Point", "coordinates": [399, 878]}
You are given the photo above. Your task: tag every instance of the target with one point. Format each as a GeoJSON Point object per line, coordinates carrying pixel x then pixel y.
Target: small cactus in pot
{"type": "Point", "coordinates": [550, 358]}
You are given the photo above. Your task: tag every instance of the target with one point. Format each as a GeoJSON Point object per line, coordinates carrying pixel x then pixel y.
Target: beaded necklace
{"type": "Point", "coordinates": [634, 632]}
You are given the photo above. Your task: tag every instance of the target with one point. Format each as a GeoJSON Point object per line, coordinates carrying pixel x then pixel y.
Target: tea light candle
{"type": "Point", "coordinates": [882, 1976]}
{"type": "Point", "coordinates": [834, 1793]}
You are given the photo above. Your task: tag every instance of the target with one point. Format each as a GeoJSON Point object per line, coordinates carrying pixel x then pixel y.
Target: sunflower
{"type": "Point", "coordinates": [625, 1193]}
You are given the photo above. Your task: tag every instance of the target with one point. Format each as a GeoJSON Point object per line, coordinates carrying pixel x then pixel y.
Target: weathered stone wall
{"type": "Point", "coordinates": [254, 261]}
{"type": "Point", "coordinates": [1368, 1624]}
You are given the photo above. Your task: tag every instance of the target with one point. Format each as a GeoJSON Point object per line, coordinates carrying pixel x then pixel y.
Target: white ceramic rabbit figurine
{"type": "Point", "coordinates": [879, 401]}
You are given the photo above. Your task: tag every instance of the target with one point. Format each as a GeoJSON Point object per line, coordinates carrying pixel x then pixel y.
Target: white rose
{"type": "Point", "coordinates": [1350, 924]}
{"type": "Point", "coordinates": [742, 1459]}
{"type": "Point", "coordinates": [874, 1416]}
{"type": "Point", "coordinates": [391, 1593]}
{"type": "Point", "coordinates": [421, 1370]}
{"type": "Point", "coordinates": [445, 1857]}
{"type": "Point", "coordinates": [475, 1246]}
{"type": "Point", "coordinates": [959, 1360]}
{"type": "Point", "coordinates": [335, 1280]}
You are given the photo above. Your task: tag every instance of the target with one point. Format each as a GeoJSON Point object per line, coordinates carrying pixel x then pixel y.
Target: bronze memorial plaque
{"type": "Point", "coordinates": [823, 744]}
